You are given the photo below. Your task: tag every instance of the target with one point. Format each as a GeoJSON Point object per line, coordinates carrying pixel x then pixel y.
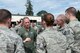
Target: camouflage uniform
{"type": "Point", "coordinates": [51, 41]}
{"type": "Point", "coordinates": [56, 27]}
{"type": "Point", "coordinates": [40, 29]}
{"type": "Point", "coordinates": [10, 42]}
{"type": "Point", "coordinates": [16, 28]}
{"type": "Point", "coordinates": [75, 26]}
{"type": "Point", "coordinates": [68, 32]}
{"type": "Point", "coordinates": [28, 34]}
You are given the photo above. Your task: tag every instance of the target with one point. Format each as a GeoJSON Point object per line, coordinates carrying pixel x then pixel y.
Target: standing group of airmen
{"type": "Point", "coordinates": [64, 36]}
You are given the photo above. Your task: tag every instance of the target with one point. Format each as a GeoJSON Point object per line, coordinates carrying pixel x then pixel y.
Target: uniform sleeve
{"type": "Point", "coordinates": [19, 32]}
{"type": "Point", "coordinates": [40, 48]}
{"type": "Point", "coordinates": [62, 41]}
{"type": "Point", "coordinates": [70, 36]}
{"type": "Point", "coordinates": [3, 45]}
{"type": "Point", "coordinates": [35, 35]}
{"type": "Point", "coordinates": [19, 46]}
{"type": "Point", "coordinates": [76, 45]}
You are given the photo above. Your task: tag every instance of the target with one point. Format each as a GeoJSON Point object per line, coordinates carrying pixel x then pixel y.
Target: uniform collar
{"type": "Point", "coordinates": [3, 27]}
{"type": "Point", "coordinates": [49, 28]}
{"type": "Point", "coordinates": [73, 20]}
{"type": "Point", "coordinates": [62, 28]}
{"type": "Point", "coordinates": [26, 29]}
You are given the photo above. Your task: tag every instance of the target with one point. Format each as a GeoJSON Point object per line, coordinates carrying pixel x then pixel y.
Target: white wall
{"type": "Point", "coordinates": [17, 18]}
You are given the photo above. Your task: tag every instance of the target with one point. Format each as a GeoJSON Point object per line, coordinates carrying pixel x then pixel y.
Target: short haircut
{"type": "Point", "coordinates": [4, 14]}
{"type": "Point", "coordinates": [48, 18]}
{"type": "Point", "coordinates": [26, 18]}
{"type": "Point", "coordinates": [64, 18]}
{"type": "Point", "coordinates": [72, 10]}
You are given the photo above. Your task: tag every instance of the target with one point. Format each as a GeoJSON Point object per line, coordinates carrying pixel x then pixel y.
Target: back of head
{"type": "Point", "coordinates": [71, 10]}
{"type": "Point", "coordinates": [48, 18]}
{"type": "Point", "coordinates": [4, 14]}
